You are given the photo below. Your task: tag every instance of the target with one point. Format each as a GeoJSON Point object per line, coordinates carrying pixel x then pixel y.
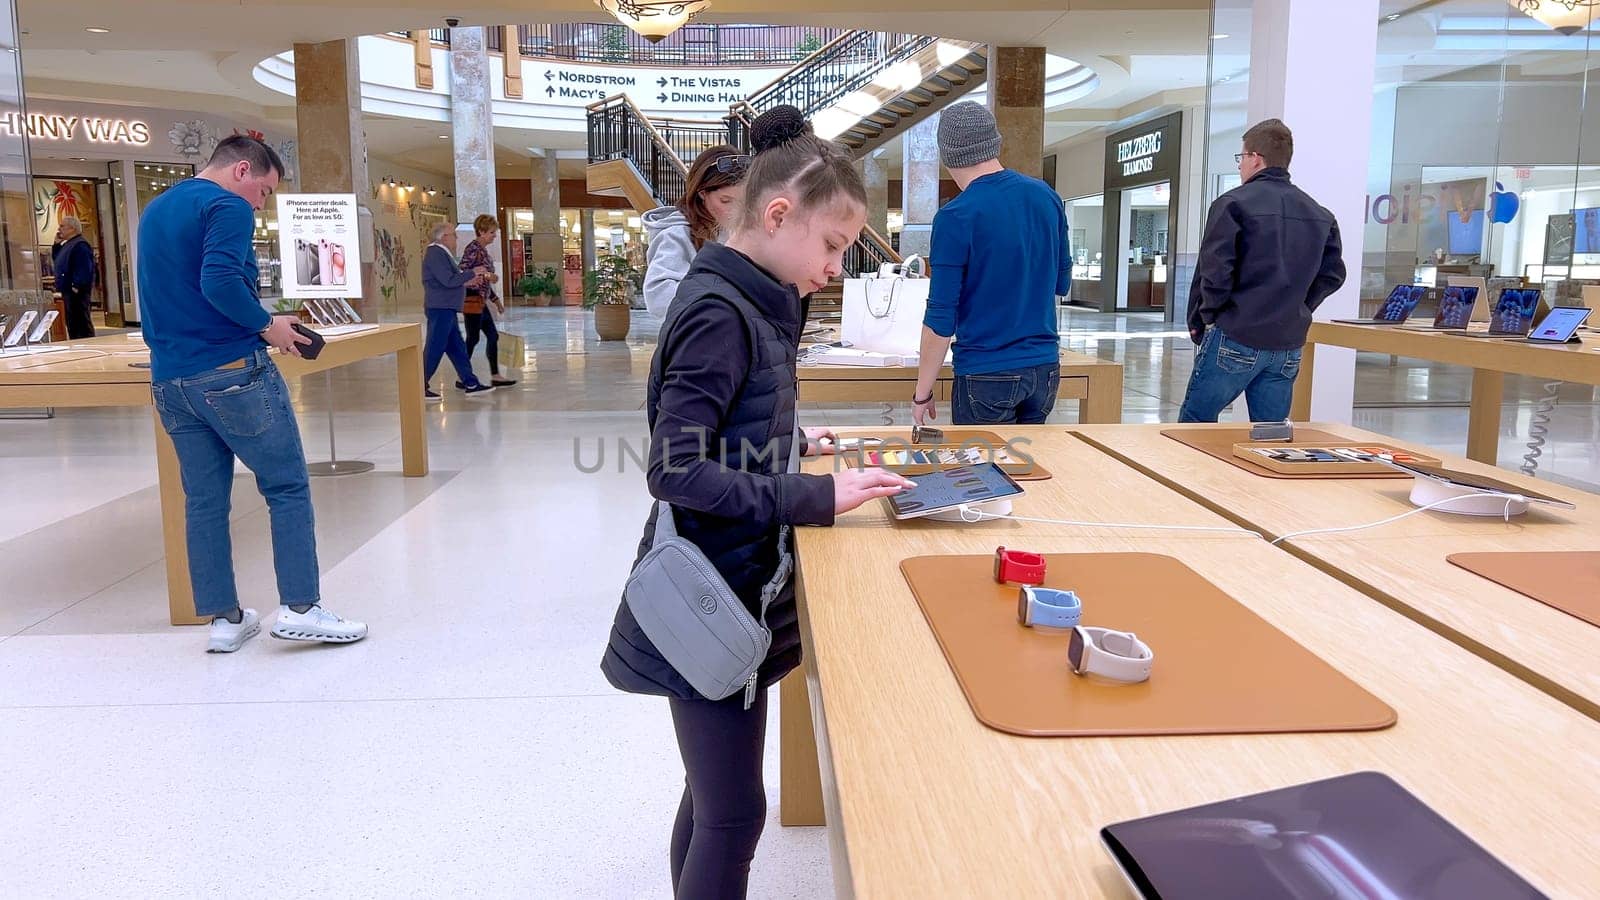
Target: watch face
{"type": "Point", "coordinates": [1022, 605]}
{"type": "Point", "coordinates": [997, 554]}
{"type": "Point", "coordinates": [1075, 650]}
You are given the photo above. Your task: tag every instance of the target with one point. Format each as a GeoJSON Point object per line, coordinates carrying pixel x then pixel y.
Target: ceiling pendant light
{"type": "Point", "coordinates": [1564, 16]}
{"type": "Point", "coordinates": [653, 20]}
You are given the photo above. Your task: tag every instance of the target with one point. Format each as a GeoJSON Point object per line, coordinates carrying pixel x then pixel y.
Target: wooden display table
{"type": "Point", "coordinates": [97, 372]}
{"type": "Point", "coordinates": [924, 801]}
{"type": "Point", "coordinates": [1490, 361]}
{"type": "Point", "coordinates": [1096, 383]}
{"type": "Point", "coordinates": [1404, 564]}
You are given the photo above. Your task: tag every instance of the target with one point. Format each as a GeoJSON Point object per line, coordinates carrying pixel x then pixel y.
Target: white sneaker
{"type": "Point", "coordinates": [318, 625]}
{"type": "Point", "coordinates": [227, 637]}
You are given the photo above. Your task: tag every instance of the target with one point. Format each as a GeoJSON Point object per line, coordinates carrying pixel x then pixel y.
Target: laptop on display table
{"type": "Point", "coordinates": [1559, 327]}
{"type": "Point", "coordinates": [1395, 310]}
{"type": "Point", "coordinates": [1513, 314]}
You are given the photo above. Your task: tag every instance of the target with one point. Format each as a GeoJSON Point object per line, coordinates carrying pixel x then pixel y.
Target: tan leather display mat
{"type": "Point", "coordinates": [954, 439]}
{"type": "Point", "coordinates": [1218, 442]}
{"type": "Point", "coordinates": [1568, 580]}
{"type": "Point", "coordinates": [1219, 668]}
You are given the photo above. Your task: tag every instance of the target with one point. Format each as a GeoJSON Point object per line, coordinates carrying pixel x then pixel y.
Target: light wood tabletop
{"type": "Point", "coordinates": [1404, 564]}
{"type": "Point", "coordinates": [100, 372]}
{"type": "Point", "coordinates": [1490, 360]}
{"type": "Point", "coordinates": [923, 801]}
{"type": "Point", "coordinates": [1094, 382]}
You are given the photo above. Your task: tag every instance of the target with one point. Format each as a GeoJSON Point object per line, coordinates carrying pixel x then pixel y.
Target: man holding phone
{"type": "Point", "coordinates": [220, 396]}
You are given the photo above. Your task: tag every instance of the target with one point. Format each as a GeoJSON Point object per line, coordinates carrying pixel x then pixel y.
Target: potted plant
{"type": "Point", "coordinates": [609, 291]}
{"type": "Point", "coordinates": [541, 287]}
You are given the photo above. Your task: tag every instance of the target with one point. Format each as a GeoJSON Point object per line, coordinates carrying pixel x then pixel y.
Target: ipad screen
{"type": "Point", "coordinates": [953, 487]}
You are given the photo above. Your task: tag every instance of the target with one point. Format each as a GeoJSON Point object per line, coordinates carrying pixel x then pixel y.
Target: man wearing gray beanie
{"type": "Point", "coordinates": [999, 261]}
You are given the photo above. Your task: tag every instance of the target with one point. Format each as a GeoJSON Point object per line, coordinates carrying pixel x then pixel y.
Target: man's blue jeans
{"type": "Point", "coordinates": [243, 413]}
{"type": "Point", "coordinates": [444, 339]}
{"type": "Point", "coordinates": [1225, 368]}
{"type": "Point", "coordinates": [1023, 397]}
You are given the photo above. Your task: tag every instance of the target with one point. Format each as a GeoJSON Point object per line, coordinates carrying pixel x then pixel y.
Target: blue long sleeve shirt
{"type": "Point", "coordinates": [1000, 258]}
{"type": "Point", "coordinates": [199, 303]}
{"type": "Point", "coordinates": [444, 284]}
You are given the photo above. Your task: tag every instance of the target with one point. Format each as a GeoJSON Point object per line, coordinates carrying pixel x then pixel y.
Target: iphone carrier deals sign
{"type": "Point", "coordinates": [319, 245]}
{"type": "Point", "coordinates": [708, 91]}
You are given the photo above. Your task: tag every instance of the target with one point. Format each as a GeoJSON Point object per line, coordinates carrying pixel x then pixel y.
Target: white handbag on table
{"type": "Point", "coordinates": [883, 311]}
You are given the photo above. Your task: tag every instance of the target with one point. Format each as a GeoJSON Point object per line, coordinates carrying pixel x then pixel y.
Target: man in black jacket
{"type": "Point", "coordinates": [73, 260]}
{"type": "Point", "coordinates": [1269, 257]}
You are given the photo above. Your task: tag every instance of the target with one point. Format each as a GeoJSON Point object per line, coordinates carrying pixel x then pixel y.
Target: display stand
{"type": "Point", "coordinates": [14, 303]}
{"type": "Point", "coordinates": [334, 465]}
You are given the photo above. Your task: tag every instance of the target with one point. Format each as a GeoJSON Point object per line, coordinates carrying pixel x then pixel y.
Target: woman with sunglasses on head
{"type": "Point", "coordinates": [676, 233]}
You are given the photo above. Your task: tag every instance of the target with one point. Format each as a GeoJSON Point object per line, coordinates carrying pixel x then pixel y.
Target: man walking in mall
{"type": "Point", "coordinates": [1269, 257]}
{"type": "Point", "coordinates": [220, 395]}
{"type": "Point", "coordinates": [1000, 259]}
{"type": "Point", "coordinates": [444, 294]}
{"type": "Point", "coordinates": [73, 262]}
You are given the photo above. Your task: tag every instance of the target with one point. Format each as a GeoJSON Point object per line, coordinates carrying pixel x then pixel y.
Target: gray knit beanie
{"type": "Point", "coordinates": [968, 135]}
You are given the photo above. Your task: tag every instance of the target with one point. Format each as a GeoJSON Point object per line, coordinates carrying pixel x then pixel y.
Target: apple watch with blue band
{"type": "Point", "coordinates": [1048, 607]}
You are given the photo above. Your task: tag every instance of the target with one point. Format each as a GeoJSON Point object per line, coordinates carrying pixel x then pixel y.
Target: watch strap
{"type": "Point", "coordinates": [1116, 655]}
{"type": "Point", "coordinates": [1048, 607]}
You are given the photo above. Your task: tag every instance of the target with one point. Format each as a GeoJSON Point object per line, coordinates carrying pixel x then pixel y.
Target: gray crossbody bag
{"type": "Point", "coordinates": [686, 609]}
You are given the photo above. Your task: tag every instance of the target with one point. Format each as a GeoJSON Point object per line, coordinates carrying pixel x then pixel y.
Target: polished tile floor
{"type": "Point", "coordinates": [470, 746]}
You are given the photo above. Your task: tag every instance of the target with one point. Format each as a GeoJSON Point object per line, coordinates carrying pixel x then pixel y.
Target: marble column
{"type": "Point", "coordinates": [1326, 99]}
{"type": "Point", "coordinates": [920, 186]}
{"type": "Point", "coordinates": [545, 180]}
{"type": "Point", "coordinates": [1016, 96]}
{"type": "Point", "coordinates": [876, 176]}
{"type": "Point", "coordinates": [330, 142]}
{"type": "Point", "coordinates": [586, 234]}
{"type": "Point", "coordinates": [472, 126]}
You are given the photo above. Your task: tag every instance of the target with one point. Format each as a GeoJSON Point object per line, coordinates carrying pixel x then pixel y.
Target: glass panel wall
{"type": "Point", "coordinates": [19, 256]}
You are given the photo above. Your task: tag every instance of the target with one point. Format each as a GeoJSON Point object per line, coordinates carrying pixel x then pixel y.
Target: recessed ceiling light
{"type": "Point", "coordinates": [444, 137]}
{"type": "Point", "coordinates": [1220, 36]}
{"type": "Point", "coordinates": [1224, 78]}
{"type": "Point", "coordinates": [1391, 17]}
{"type": "Point", "coordinates": [97, 29]}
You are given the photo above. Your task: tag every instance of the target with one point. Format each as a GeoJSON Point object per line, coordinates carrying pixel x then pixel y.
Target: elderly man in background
{"type": "Point", "coordinates": [444, 291]}
{"type": "Point", "coordinates": [73, 262]}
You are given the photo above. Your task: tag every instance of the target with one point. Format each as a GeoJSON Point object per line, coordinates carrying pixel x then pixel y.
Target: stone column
{"type": "Point", "coordinates": [1326, 99]}
{"type": "Point", "coordinates": [1016, 96]}
{"type": "Point", "coordinates": [472, 126]}
{"type": "Point", "coordinates": [331, 145]}
{"type": "Point", "coordinates": [876, 176]}
{"type": "Point", "coordinates": [586, 234]}
{"type": "Point", "coordinates": [545, 179]}
{"type": "Point", "coordinates": [920, 186]}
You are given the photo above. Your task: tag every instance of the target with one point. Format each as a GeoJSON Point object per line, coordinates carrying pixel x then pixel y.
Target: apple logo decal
{"type": "Point", "coordinates": [1504, 204]}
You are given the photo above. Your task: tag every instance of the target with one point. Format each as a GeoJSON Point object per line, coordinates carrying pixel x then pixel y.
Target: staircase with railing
{"type": "Point", "coordinates": [862, 89]}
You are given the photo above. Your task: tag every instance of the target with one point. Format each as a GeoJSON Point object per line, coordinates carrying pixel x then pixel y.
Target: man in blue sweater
{"type": "Point", "coordinates": [444, 292]}
{"type": "Point", "coordinates": [1000, 258]}
{"type": "Point", "coordinates": [1269, 256]}
{"type": "Point", "coordinates": [220, 396]}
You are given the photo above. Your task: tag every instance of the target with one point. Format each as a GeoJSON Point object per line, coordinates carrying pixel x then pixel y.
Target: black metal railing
{"type": "Point", "coordinates": [658, 149]}
{"type": "Point", "coordinates": [842, 67]}
{"type": "Point", "coordinates": [697, 44]}
{"type": "Point", "coordinates": [868, 254]}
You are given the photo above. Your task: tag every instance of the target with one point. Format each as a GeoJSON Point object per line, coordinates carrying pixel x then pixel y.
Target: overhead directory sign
{"type": "Point", "coordinates": [318, 242]}
{"type": "Point", "coordinates": [702, 90]}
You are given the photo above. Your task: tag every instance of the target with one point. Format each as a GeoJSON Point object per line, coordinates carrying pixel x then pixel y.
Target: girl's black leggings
{"type": "Point", "coordinates": [724, 798]}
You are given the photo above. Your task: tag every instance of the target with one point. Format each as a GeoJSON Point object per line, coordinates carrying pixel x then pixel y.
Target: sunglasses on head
{"type": "Point", "coordinates": [733, 164]}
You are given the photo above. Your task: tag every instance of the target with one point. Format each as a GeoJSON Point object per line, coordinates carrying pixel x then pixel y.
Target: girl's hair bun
{"type": "Point", "coordinates": [776, 127]}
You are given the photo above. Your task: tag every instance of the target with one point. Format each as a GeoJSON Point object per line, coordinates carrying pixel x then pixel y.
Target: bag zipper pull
{"type": "Point", "coordinates": [750, 691]}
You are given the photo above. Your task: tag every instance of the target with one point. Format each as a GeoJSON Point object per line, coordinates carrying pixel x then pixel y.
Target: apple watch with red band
{"type": "Point", "coordinates": [1018, 567]}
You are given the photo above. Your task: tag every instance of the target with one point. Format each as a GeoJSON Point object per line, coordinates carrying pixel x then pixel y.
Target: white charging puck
{"type": "Point", "coordinates": [1468, 502]}
{"type": "Point", "coordinates": [1000, 507]}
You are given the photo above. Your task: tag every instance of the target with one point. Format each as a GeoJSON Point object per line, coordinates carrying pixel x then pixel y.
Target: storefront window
{"type": "Point", "coordinates": [1485, 153]}
{"type": "Point", "coordinates": [1085, 216]}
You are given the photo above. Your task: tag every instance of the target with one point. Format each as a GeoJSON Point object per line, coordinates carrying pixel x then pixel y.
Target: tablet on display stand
{"type": "Point", "coordinates": [943, 494]}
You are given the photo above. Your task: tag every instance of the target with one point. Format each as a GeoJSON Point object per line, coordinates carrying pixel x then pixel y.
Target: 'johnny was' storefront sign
{"type": "Point", "coordinates": [57, 127]}
{"type": "Point", "coordinates": [1144, 154]}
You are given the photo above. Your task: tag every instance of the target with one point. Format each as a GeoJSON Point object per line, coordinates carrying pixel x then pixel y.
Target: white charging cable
{"type": "Point", "coordinates": [1509, 498]}
{"type": "Point", "coordinates": [972, 514]}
